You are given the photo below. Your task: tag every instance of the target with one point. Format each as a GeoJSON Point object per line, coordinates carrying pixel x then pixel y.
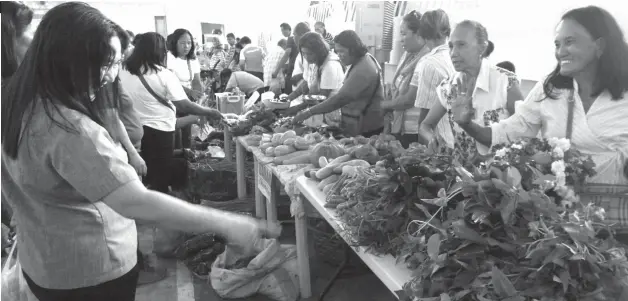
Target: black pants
{"type": "Point", "coordinates": [373, 133]}
{"type": "Point", "coordinates": [407, 139]}
{"type": "Point", "coordinates": [158, 152]}
{"type": "Point", "coordinates": [120, 289]}
{"type": "Point", "coordinates": [288, 87]}
{"type": "Point", "coordinates": [259, 75]}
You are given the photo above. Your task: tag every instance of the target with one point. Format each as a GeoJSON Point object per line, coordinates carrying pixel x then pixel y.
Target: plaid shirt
{"type": "Point", "coordinates": [270, 63]}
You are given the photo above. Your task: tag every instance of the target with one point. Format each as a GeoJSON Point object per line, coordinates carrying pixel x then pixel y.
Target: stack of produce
{"type": "Point", "coordinates": [240, 125]}
{"type": "Point", "coordinates": [287, 148]}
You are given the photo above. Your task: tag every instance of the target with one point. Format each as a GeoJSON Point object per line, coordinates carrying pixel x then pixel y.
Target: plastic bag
{"type": "Point", "coordinates": [167, 241]}
{"type": "Point", "coordinates": [272, 272]}
{"type": "Point", "coordinates": [14, 286]}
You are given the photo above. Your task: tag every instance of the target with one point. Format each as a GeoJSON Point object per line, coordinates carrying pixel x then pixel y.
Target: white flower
{"type": "Point", "coordinates": [558, 166]}
{"type": "Point", "coordinates": [558, 153]}
{"type": "Point", "coordinates": [561, 190]}
{"type": "Point", "coordinates": [517, 146]}
{"type": "Point", "coordinates": [563, 143]}
{"type": "Point", "coordinates": [502, 152]}
{"type": "Point", "coordinates": [560, 179]}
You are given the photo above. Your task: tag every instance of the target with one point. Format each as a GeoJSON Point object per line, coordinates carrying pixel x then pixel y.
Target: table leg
{"type": "Point", "coordinates": [271, 206]}
{"type": "Point", "coordinates": [240, 158]}
{"type": "Point", "coordinates": [228, 138]}
{"type": "Point", "coordinates": [303, 257]}
{"type": "Point", "coordinates": [260, 200]}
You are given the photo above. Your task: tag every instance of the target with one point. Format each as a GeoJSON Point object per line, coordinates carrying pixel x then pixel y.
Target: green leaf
{"type": "Point", "coordinates": [564, 279]}
{"type": "Point", "coordinates": [503, 287]}
{"type": "Point", "coordinates": [544, 178]}
{"type": "Point", "coordinates": [503, 187]}
{"type": "Point", "coordinates": [433, 246]}
{"type": "Point", "coordinates": [463, 231]}
{"type": "Point", "coordinates": [445, 297]}
{"type": "Point", "coordinates": [542, 158]}
{"type": "Point", "coordinates": [513, 176]}
{"type": "Point", "coordinates": [508, 208]}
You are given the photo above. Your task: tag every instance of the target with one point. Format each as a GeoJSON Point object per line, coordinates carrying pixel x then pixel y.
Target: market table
{"type": "Point", "coordinates": [385, 267]}
{"type": "Point", "coordinates": [269, 179]}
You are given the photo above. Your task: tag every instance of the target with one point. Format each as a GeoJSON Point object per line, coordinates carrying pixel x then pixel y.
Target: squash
{"type": "Point", "coordinates": [302, 158]}
{"type": "Point", "coordinates": [289, 141]}
{"type": "Point", "coordinates": [284, 150]}
{"type": "Point", "coordinates": [276, 140]}
{"type": "Point", "coordinates": [270, 152]}
{"type": "Point", "coordinates": [309, 173]}
{"type": "Point", "coordinates": [263, 147]}
{"type": "Point", "coordinates": [327, 149]}
{"type": "Point", "coordinates": [287, 135]}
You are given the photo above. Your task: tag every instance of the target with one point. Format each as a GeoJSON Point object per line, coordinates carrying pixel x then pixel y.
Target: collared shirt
{"type": "Point", "coordinates": [602, 132]}
{"type": "Point", "coordinates": [270, 63]}
{"type": "Point", "coordinates": [489, 101]}
{"type": "Point", "coordinates": [67, 237]}
{"type": "Point", "coordinates": [432, 69]}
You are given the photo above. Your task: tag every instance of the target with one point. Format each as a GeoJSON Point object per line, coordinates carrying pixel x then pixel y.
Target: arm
{"type": "Point", "coordinates": [188, 107]}
{"type": "Point", "coordinates": [302, 89]}
{"type": "Point", "coordinates": [186, 121]}
{"type": "Point", "coordinates": [427, 126]}
{"type": "Point", "coordinates": [513, 95]}
{"type": "Point", "coordinates": [134, 157]}
{"type": "Point", "coordinates": [196, 83]}
{"type": "Point", "coordinates": [402, 102]}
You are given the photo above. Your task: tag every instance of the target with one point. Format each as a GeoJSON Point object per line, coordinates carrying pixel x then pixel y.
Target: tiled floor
{"type": "Point", "coordinates": [181, 285]}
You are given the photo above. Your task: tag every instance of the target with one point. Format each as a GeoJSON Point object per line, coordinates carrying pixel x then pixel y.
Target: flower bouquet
{"type": "Point", "coordinates": [516, 232]}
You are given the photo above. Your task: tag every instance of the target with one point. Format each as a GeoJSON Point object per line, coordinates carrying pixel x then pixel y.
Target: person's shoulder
{"type": "Point", "coordinates": [503, 73]}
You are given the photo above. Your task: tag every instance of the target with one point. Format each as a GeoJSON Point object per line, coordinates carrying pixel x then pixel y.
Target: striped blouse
{"type": "Point", "coordinates": [602, 132]}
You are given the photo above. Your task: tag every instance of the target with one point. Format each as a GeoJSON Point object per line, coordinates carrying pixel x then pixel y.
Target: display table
{"type": "Point", "coordinates": [269, 179]}
{"type": "Point", "coordinates": [393, 275]}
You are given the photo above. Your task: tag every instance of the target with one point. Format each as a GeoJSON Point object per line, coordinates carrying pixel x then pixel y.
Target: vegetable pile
{"type": "Point", "coordinates": [200, 252]}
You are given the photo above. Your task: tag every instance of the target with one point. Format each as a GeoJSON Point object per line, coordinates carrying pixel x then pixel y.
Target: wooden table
{"type": "Point", "coordinates": [393, 275]}
{"type": "Point", "coordinates": [269, 179]}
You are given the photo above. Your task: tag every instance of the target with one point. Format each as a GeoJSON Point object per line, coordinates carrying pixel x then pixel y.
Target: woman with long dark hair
{"type": "Point", "coordinates": [158, 96]}
{"type": "Point", "coordinates": [362, 92]}
{"type": "Point", "coordinates": [16, 21]}
{"type": "Point", "coordinates": [74, 195]}
{"type": "Point", "coordinates": [583, 99]}
{"type": "Point", "coordinates": [323, 74]}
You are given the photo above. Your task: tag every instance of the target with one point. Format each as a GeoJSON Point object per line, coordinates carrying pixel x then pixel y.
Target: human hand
{"type": "Point", "coordinates": [462, 106]}
{"type": "Point", "coordinates": [248, 231]}
{"type": "Point", "coordinates": [302, 116]}
{"type": "Point", "coordinates": [214, 114]}
{"type": "Point", "coordinates": [138, 164]}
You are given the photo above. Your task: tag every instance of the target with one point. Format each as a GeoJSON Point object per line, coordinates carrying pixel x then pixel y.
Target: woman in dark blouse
{"type": "Point", "coordinates": [361, 94]}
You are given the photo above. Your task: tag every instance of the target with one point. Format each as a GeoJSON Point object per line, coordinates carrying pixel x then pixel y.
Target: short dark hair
{"type": "Point", "coordinates": [149, 53]}
{"type": "Point", "coordinates": [612, 69]}
{"type": "Point", "coordinates": [508, 65]}
{"type": "Point", "coordinates": [285, 26]}
{"type": "Point", "coordinates": [302, 28]}
{"type": "Point", "coordinates": [230, 35]}
{"type": "Point", "coordinates": [434, 25]}
{"type": "Point", "coordinates": [62, 67]}
{"type": "Point", "coordinates": [16, 17]}
{"type": "Point", "coordinates": [225, 73]}
{"type": "Point", "coordinates": [413, 20]}
{"type": "Point", "coordinates": [175, 36]}
{"type": "Point", "coordinates": [217, 31]}
{"type": "Point", "coordinates": [245, 40]}
{"type": "Point", "coordinates": [319, 23]}
{"type": "Point", "coordinates": [350, 40]}
{"type": "Point", "coordinates": [130, 33]}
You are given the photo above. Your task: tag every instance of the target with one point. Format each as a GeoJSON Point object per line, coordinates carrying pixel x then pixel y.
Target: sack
{"type": "Point", "coordinates": [14, 286]}
{"type": "Point", "coordinates": [167, 241]}
{"type": "Point", "coordinates": [273, 272]}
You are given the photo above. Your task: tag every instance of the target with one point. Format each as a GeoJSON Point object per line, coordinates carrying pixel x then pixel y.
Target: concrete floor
{"type": "Point", "coordinates": [182, 285]}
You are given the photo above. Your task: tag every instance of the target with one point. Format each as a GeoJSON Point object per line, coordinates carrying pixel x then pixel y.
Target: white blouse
{"type": "Point", "coordinates": [181, 69]}
{"type": "Point", "coordinates": [490, 98]}
{"type": "Point", "coordinates": [602, 132]}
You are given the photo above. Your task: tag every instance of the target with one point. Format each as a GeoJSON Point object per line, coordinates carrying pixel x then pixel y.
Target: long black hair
{"type": "Point", "coordinates": [174, 39]}
{"type": "Point", "coordinates": [612, 68]}
{"type": "Point", "coordinates": [150, 53]}
{"type": "Point", "coordinates": [62, 68]}
{"type": "Point", "coordinates": [314, 42]}
{"type": "Point", "coordinates": [16, 17]}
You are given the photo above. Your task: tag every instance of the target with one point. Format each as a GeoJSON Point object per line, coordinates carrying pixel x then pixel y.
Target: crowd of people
{"type": "Point", "coordinates": [90, 115]}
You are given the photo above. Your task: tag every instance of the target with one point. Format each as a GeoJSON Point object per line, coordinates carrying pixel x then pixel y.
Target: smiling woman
{"type": "Point", "coordinates": [584, 99]}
